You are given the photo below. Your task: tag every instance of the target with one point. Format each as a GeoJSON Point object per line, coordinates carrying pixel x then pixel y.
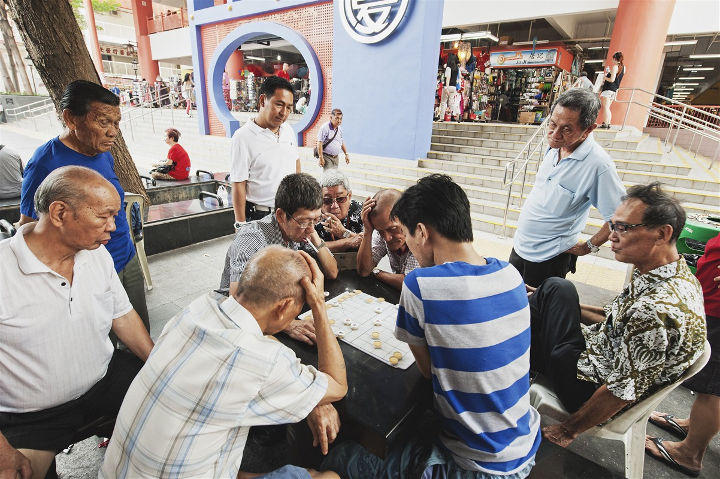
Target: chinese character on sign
{"type": "Point", "coordinates": [370, 21]}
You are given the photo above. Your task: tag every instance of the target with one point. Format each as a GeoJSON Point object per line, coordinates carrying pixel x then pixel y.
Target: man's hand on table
{"type": "Point", "coordinates": [324, 423]}
{"type": "Point", "coordinates": [302, 330]}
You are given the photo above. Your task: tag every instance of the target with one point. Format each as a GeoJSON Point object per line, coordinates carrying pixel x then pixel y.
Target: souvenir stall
{"type": "Point", "coordinates": [472, 99]}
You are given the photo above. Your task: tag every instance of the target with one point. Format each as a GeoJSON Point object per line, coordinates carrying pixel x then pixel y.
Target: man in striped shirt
{"type": "Point", "coordinates": [467, 321]}
{"type": "Point", "coordinates": [216, 372]}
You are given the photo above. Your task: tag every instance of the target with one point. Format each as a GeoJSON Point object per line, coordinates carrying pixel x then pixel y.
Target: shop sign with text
{"type": "Point", "coordinates": [524, 58]}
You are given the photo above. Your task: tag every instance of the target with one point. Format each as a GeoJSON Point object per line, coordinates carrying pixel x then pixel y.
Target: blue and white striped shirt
{"type": "Point", "coordinates": [475, 322]}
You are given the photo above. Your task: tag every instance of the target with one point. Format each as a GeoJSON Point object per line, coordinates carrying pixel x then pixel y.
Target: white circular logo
{"type": "Point", "coordinates": [370, 21]}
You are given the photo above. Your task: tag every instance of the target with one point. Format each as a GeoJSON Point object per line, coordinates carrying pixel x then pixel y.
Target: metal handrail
{"type": "Point", "coordinates": [520, 163]}
{"type": "Point", "coordinates": [704, 128]}
{"type": "Point", "coordinates": [146, 108]}
{"type": "Point", "coordinates": [42, 103]}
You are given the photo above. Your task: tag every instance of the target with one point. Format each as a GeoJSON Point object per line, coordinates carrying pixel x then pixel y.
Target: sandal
{"type": "Point", "coordinates": [668, 459]}
{"type": "Point", "coordinates": [669, 424]}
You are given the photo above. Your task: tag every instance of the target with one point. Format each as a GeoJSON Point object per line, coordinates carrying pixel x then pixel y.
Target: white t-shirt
{"type": "Point", "coordinates": [55, 343]}
{"type": "Point", "coordinates": [263, 159]}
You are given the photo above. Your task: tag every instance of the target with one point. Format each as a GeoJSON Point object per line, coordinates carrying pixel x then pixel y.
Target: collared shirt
{"type": "Point", "coordinates": [326, 132]}
{"type": "Point", "coordinates": [263, 159]}
{"type": "Point", "coordinates": [654, 330]}
{"type": "Point", "coordinates": [55, 342]}
{"type": "Point", "coordinates": [399, 263]}
{"type": "Point", "coordinates": [249, 239]}
{"type": "Point", "coordinates": [211, 376]}
{"type": "Point", "coordinates": [558, 206]}
{"type": "Point", "coordinates": [352, 222]}
{"type": "Point", "coordinates": [11, 172]}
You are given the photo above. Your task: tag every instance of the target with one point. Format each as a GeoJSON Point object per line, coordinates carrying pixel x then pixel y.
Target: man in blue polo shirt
{"type": "Point", "coordinates": [467, 321]}
{"type": "Point", "coordinates": [575, 174]}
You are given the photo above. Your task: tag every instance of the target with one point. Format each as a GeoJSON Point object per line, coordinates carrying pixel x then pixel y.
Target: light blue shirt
{"type": "Point", "coordinates": [558, 206]}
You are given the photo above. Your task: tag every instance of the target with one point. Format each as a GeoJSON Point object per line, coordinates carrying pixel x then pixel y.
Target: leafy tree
{"type": "Point", "coordinates": [100, 6]}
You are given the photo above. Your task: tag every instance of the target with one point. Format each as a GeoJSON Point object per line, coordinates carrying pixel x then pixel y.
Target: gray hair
{"type": "Point", "coordinates": [581, 100]}
{"type": "Point", "coordinates": [68, 184]}
{"type": "Point", "coordinates": [273, 274]}
{"type": "Point", "coordinates": [661, 208]}
{"type": "Point", "coordinates": [333, 177]}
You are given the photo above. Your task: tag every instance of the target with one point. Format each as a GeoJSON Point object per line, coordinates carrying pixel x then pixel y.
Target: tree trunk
{"type": "Point", "coordinates": [13, 49]}
{"type": "Point", "coordinates": [55, 43]}
{"type": "Point", "coordinates": [7, 81]}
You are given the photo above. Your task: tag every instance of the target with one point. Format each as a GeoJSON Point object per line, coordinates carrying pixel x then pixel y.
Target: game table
{"type": "Point", "coordinates": [380, 399]}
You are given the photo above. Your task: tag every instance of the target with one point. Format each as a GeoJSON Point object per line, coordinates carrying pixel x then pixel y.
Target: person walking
{"type": "Point", "coordinates": [613, 76]}
{"type": "Point", "coordinates": [187, 90]}
{"type": "Point", "coordinates": [330, 142]}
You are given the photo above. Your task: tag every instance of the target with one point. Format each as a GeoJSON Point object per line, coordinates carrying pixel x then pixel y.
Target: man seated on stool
{"type": "Point", "coordinates": [342, 226]}
{"type": "Point", "coordinates": [59, 298]}
{"type": "Point", "coordinates": [646, 338]}
{"type": "Point", "coordinates": [384, 236]}
{"type": "Point", "coordinates": [292, 224]}
{"type": "Point", "coordinates": [216, 372]}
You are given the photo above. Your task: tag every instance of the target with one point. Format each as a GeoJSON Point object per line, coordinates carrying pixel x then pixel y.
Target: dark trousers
{"type": "Point", "coordinates": [535, 273]}
{"type": "Point", "coordinates": [252, 214]}
{"type": "Point", "coordinates": [556, 340]}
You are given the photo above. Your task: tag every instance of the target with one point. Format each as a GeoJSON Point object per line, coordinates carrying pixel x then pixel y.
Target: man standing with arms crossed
{"type": "Point", "coordinates": [263, 151]}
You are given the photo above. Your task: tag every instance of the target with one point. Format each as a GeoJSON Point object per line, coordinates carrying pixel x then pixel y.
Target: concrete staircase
{"type": "Point", "coordinates": [475, 156]}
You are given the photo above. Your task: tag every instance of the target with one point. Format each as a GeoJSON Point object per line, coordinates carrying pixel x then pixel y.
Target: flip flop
{"type": "Point", "coordinates": [668, 459]}
{"type": "Point", "coordinates": [668, 423]}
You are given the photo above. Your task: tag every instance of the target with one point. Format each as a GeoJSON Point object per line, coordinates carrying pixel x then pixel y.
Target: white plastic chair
{"type": "Point", "coordinates": [628, 426]}
{"type": "Point", "coordinates": [131, 198]}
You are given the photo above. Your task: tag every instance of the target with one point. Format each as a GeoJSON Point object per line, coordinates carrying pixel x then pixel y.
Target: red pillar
{"type": "Point", "coordinates": [639, 33]}
{"type": "Point", "coordinates": [142, 10]}
{"type": "Point", "coordinates": [235, 65]}
{"type": "Point", "coordinates": [93, 38]}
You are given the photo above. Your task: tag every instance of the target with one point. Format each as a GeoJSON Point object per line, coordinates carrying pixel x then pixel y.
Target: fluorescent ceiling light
{"type": "Point", "coordinates": [696, 69]}
{"type": "Point", "coordinates": [594, 61]}
{"type": "Point", "coordinates": [450, 37]}
{"type": "Point", "coordinates": [680, 42]}
{"type": "Point", "coordinates": [254, 58]}
{"type": "Point", "coordinates": [691, 78]}
{"type": "Point", "coordinates": [596, 48]}
{"type": "Point", "coordinates": [483, 34]}
{"type": "Point", "coordinates": [530, 43]}
{"type": "Point", "coordinates": [687, 84]}
{"type": "Point", "coordinates": [706, 55]}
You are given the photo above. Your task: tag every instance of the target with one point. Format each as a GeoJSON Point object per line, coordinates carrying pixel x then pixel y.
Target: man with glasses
{"type": "Point", "coordinates": [341, 226]}
{"type": "Point", "coordinates": [575, 174]}
{"type": "Point", "coordinates": [600, 360]}
{"type": "Point", "coordinates": [292, 224]}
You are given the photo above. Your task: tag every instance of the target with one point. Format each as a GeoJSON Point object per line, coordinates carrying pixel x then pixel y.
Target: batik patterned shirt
{"type": "Point", "coordinates": [352, 222]}
{"type": "Point", "coordinates": [654, 330]}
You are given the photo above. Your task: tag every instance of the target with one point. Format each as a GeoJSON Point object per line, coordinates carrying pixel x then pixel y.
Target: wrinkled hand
{"type": "Point", "coordinates": [580, 249]}
{"type": "Point", "coordinates": [13, 464]}
{"type": "Point", "coordinates": [324, 423]}
{"type": "Point", "coordinates": [333, 225]}
{"type": "Point", "coordinates": [355, 240]}
{"type": "Point", "coordinates": [368, 205]}
{"type": "Point", "coordinates": [302, 330]}
{"type": "Point", "coordinates": [557, 434]}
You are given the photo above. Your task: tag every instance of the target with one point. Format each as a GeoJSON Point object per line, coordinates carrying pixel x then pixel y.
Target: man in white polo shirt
{"type": "Point", "coordinates": [264, 151]}
{"type": "Point", "coordinates": [59, 298]}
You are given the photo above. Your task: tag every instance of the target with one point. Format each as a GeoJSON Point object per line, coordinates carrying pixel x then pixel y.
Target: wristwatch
{"type": "Point", "coordinates": [593, 248]}
{"type": "Point", "coordinates": [376, 271]}
{"type": "Point", "coordinates": [238, 224]}
{"type": "Point", "coordinates": [346, 234]}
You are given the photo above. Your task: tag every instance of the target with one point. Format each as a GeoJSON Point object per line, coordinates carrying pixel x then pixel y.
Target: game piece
{"type": "Point", "coordinates": [369, 300]}
{"type": "Point", "coordinates": [378, 322]}
{"type": "Point", "coordinates": [375, 335]}
{"type": "Point", "coordinates": [378, 310]}
{"type": "Point", "coordinates": [354, 326]}
{"type": "Point", "coordinates": [377, 344]}
{"type": "Point", "coordinates": [347, 321]}
{"type": "Point", "coordinates": [327, 293]}
{"type": "Point", "coordinates": [398, 355]}
{"type": "Point", "coordinates": [380, 300]}
{"type": "Point", "coordinates": [357, 291]}
{"type": "Point", "coordinates": [340, 334]}
{"type": "Point", "coordinates": [393, 360]}
{"type": "Point", "coordinates": [331, 321]}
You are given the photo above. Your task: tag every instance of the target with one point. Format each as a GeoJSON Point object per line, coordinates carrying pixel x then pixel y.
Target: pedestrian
{"type": "Point", "coordinates": [583, 82]}
{"type": "Point", "coordinates": [613, 76]}
{"type": "Point", "coordinates": [450, 88]}
{"type": "Point", "coordinates": [330, 142]}
{"type": "Point", "coordinates": [187, 90]}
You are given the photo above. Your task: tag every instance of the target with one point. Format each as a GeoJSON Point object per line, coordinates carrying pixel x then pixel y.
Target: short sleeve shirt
{"type": "Point", "coordinates": [352, 222]}
{"type": "Point", "coordinates": [55, 343]}
{"type": "Point", "coordinates": [335, 146]}
{"type": "Point", "coordinates": [263, 159]}
{"type": "Point", "coordinates": [53, 155]}
{"type": "Point", "coordinates": [400, 263]}
{"type": "Point", "coordinates": [555, 212]}
{"type": "Point", "coordinates": [654, 330]}
{"type": "Point", "coordinates": [181, 160]}
{"type": "Point", "coordinates": [11, 172]}
{"type": "Point", "coordinates": [211, 376]}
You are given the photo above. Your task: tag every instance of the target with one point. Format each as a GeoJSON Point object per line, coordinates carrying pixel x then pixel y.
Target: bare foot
{"type": "Point", "coordinates": [657, 416]}
{"type": "Point", "coordinates": [675, 450]}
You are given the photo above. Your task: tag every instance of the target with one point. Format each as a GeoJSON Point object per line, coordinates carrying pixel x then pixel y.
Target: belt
{"type": "Point", "coordinates": [259, 207]}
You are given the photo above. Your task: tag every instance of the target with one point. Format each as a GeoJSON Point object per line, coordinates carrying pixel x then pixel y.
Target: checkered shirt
{"type": "Point", "coordinates": [211, 376]}
{"type": "Point", "coordinates": [399, 263]}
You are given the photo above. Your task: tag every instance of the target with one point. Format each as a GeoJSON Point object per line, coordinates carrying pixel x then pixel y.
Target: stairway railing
{"type": "Point", "coordinates": [536, 145]}
{"type": "Point", "coordinates": [31, 111]}
{"type": "Point", "coordinates": [131, 114]}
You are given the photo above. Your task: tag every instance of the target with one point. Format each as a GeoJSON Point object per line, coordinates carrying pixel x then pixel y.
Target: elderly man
{"type": "Point", "coordinates": [216, 372]}
{"type": "Point", "coordinates": [263, 151]}
{"type": "Point", "coordinates": [384, 236]}
{"type": "Point", "coordinates": [298, 200]}
{"type": "Point", "coordinates": [330, 142]}
{"type": "Point", "coordinates": [575, 174]}
{"type": "Point", "coordinates": [59, 298]}
{"type": "Point", "coordinates": [647, 337]}
{"type": "Point", "coordinates": [342, 226]}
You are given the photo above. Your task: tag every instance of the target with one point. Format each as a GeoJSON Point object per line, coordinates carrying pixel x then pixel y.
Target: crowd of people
{"type": "Point", "coordinates": [476, 325]}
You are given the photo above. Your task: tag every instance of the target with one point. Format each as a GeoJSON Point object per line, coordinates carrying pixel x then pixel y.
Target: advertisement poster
{"type": "Point", "coordinates": [524, 58]}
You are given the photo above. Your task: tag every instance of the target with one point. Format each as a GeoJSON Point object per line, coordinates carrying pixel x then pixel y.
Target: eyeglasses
{"type": "Point", "coordinates": [306, 224]}
{"type": "Point", "coordinates": [621, 227]}
{"type": "Point", "coordinates": [339, 200]}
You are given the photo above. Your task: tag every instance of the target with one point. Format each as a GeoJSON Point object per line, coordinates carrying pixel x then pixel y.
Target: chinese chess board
{"type": "Point", "coordinates": [368, 324]}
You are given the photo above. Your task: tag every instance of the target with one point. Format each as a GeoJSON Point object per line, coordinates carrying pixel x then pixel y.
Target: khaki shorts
{"type": "Point", "coordinates": [609, 94]}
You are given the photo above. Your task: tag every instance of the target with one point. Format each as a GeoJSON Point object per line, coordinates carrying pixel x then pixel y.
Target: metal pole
{"type": "Point", "coordinates": [627, 110]}
{"type": "Point", "coordinates": [682, 120]}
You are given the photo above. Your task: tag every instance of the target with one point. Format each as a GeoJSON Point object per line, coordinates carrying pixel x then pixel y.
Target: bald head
{"type": "Point", "coordinates": [73, 185]}
{"type": "Point", "coordinates": [384, 201]}
{"type": "Point", "coordinates": [271, 275]}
